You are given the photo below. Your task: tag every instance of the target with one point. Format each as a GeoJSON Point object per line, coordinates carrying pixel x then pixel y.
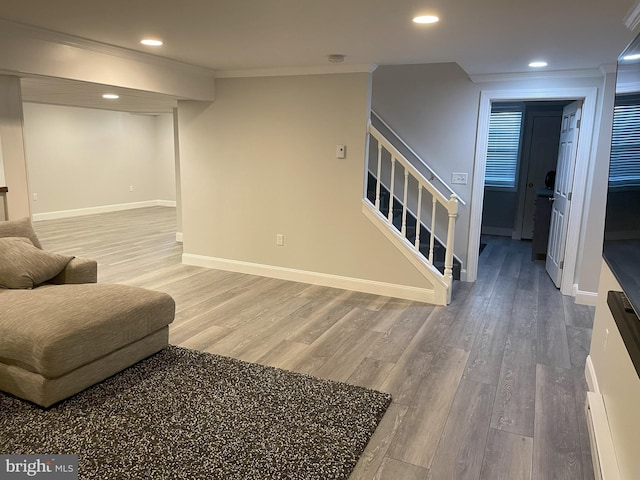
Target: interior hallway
{"type": "Point", "coordinates": [489, 387]}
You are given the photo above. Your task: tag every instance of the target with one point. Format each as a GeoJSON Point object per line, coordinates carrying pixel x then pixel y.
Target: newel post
{"type": "Point", "coordinates": [452, 207]}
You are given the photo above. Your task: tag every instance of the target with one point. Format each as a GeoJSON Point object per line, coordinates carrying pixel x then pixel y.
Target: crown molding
{"type": "Point", "coordinates": [608, 68]}
{"type": "Point", "coordinates": [632, 18]}
{"type": "Point", "coordinates": [13, 28]}
{"type": "Point", "coordinates": [554, 74]}
{"type": "Point", "coordinates": [295, 71]}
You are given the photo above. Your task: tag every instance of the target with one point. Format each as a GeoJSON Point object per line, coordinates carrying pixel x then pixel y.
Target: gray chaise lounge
{"type": "Point", "coordinates": [67, 334]}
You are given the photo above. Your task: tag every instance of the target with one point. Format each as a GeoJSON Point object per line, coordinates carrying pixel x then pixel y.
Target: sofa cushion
{"type": "Point", "coordinates": [54, 329]}
{"type": "Point", "coordinates": [22, 265]}
{"type": "Point", "coordinates": [19, 228]}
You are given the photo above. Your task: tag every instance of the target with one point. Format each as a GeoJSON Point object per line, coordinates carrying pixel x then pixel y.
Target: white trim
{"type": "Point", "coordinates": [313, 278]}
{"type": "Point", "coordinates": [463, 274]}
{"type": "Point", "coordinates": [554, 74]}
{"type": "Point", "coordinates": [632, 18]}
{"type": "Point", "coordinates": [295, 71]}
{"type": "Point", "coordinates": [602, 450]}
{"type": "Point", "coordinates": [590, 376]}
{"type": "Point", "coordinates": [79, 212]}
{"type": "Point", "coordinates": [585, 157]}
{"type": "Point", "coordinates": [583, 297]}
{"type": "Point", "coordinates": [608, 68]}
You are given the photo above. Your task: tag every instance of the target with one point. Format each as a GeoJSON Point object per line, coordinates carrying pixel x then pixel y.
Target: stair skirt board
{"type": "Point", "coordinates": [417, 259]}
{"type": "Point", "coordinates": [314, 278]}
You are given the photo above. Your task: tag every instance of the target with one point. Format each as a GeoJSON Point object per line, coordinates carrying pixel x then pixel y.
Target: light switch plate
{"type": "Point", "coordinates": [459, 178]}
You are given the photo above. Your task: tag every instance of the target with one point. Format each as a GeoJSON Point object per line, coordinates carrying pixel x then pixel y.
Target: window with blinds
{"type": "Point", "coordinates": [624, 167]}
{"type": "Point", "coordinates": [503, 150]}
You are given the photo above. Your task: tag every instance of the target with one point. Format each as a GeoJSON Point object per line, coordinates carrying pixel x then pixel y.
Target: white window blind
{"type": "Point", "coordinates": [503, 150]}
{"type": "Point", "coordinates": [624, 167]}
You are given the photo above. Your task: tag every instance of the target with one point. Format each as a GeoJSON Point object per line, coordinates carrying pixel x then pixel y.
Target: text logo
{"type": "Point", "coordinates": [50, 467]}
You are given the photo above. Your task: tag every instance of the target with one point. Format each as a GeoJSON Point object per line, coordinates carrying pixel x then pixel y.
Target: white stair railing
{"type": "Point", "coordinates": [415, 187]}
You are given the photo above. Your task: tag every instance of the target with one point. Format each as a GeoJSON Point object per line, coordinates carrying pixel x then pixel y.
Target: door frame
{"type": "Point", "coordinates": [584, 159]}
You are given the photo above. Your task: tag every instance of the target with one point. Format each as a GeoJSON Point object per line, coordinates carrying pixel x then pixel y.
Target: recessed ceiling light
{"type": "Point", "coordinates": [150, 42]}
{"type": "Point", "coordinates": [422, 19]}
{"type": "Point", "coordinates": [110, 96]}
{"type": "Point", "coordinates": [538, 64]}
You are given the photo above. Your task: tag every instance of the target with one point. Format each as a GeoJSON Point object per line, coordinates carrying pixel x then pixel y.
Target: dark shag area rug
{"type": "Point", "coordinates": [182, 414]}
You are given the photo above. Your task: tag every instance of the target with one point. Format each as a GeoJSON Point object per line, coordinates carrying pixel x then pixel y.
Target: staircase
{"type": "Point", "coordinates": [411, 234]}
{"type": "Point", "coordinates": [414, 215]}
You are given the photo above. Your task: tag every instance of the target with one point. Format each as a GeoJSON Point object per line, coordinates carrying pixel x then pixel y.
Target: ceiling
{"type": "Point", "coordinates": [483, 37]}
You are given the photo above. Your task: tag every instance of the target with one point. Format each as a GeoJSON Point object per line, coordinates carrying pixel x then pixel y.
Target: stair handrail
{"type": "Point", "coordinates": [418, 157]}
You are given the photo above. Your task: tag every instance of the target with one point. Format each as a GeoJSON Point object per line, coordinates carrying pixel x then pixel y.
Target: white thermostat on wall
{"type": "Point", "coordinates": [341, 151]}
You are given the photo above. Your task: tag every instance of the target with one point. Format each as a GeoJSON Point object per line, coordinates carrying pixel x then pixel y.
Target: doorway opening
{"type": "Point", "coordinates": [509, 206]}
{"type": "Point", "coordinates": [578, 173]}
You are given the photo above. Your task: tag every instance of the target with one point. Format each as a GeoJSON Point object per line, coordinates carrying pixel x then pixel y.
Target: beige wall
{"type": "Point", "coordinates": [82, 158]}
{"type": "Point", "coordinates": [260, 161]}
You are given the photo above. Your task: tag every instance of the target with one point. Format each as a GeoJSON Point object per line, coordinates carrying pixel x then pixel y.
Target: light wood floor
{"type": "Point", "coordinates": [490, 387]}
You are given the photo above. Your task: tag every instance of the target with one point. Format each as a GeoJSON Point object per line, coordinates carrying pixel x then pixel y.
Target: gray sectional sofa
{"type": "Point", "coordinates": [60, 331]}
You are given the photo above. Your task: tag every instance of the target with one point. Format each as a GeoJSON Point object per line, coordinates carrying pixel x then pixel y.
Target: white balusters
{"type": "Point", "coordinates": [392, 183]}
{"type": "Point", "coordinates": [418, 217]}
{"type": "Point", "coordinates": [432, 236]}
{"type": "Point", "coordinates": [403, 230]}
{"type": "Point", "coordinates": [378, 176]}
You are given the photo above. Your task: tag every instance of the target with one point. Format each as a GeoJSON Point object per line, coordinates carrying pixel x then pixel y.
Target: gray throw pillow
{"type": "Point", "coordinates": [22, 265]}
{"type": "Point", "coordinates": [19, 228]}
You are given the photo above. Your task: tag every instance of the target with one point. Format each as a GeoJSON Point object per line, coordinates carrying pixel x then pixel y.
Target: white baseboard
{"type": "Point", "coordinates": [583, 297]}
{"type": "Point", "coordinates": [314, 278]}
{"type": "Point", "coordinates": [463, 275]}
{"type": "Point", "coordinates": [603, 453]}
{"type": "Point", "coordinates": [590, 376]}
{"type": "Point", "coordinates": [79, 212]}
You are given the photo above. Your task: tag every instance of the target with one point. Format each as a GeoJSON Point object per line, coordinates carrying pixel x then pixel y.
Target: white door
{"type": "Point", "coordinates": [562, 191]}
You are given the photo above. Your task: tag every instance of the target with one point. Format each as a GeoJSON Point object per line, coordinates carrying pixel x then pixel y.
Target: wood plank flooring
{"type": "Point", "coordinates": [490, 387]}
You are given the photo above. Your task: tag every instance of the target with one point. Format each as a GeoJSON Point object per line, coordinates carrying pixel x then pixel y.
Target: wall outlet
{"type": "Point", "coordinates": [280, 240]}
{"type": "Point", "coordinates": [341, 151]}
{"type": "Point", "coordinates": [35, 197]}
{"type": "Point", "coordinates": [459, 178]}
{"type": "Point", "coordinates": [131, 188]}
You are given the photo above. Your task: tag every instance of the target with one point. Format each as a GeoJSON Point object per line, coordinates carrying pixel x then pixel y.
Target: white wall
{"type": "Point", "coordinates": [80, 158]}
{"type": "Point", "coordinates": [260, 161]}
